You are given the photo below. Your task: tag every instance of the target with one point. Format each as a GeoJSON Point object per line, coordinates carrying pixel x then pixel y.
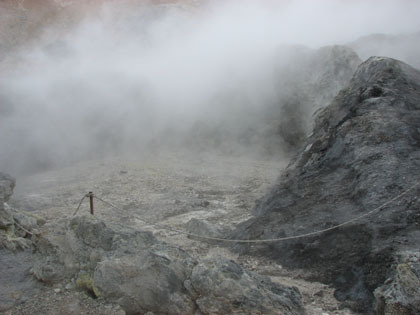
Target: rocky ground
{"type": "Point", "coordinates": [170, 189]}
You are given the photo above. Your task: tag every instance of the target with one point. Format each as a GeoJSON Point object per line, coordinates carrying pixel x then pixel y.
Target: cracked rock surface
{"type": "Point", "coordinates": [364, 150]}
{"type": "Point", "coordinates": [141, 274]}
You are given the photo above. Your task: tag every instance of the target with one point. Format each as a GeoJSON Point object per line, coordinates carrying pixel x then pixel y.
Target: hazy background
{"type": "Point", "coordinates": [82, 80]}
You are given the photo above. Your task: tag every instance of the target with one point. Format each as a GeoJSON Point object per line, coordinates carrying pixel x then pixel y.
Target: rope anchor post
{"type": "Point", "coordinates": [90, 195]}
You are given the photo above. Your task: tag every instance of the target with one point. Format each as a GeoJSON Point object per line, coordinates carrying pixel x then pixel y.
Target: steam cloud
{"type": "Point", "coordinates": [124, 74]}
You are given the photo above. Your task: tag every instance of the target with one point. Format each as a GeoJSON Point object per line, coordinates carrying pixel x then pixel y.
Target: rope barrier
{"type": "Point", "coordinates": [165, 227]}
{"type": "Point", "coordinates": [80, 203]}
{"type": "Point", "coordinates": [22, 228]}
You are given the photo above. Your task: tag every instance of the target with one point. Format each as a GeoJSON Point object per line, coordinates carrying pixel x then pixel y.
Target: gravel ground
{"type": "Point", "coordinates": [169, 188]}
{"type": "Point", "coordinates": [59, 301]}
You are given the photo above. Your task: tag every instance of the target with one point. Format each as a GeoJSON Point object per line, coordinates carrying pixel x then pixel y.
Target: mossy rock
{"type": "Point", "coordinates": [85, 282]}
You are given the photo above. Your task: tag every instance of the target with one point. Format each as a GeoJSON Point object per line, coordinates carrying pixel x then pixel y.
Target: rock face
{"type": "Point", "coordinates": [7, 184]}
{"type": "Point", "coordinates": [364, 150]}
{"type": "Point", "coordinates": [133, 269]}
{"type": "Point", "coordinates": [16, 284]}
{"type": "Point", "coordinates": [13, 223]}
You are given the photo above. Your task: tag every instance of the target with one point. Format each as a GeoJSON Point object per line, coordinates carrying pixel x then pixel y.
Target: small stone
{"type": "Point", "coordinates": [319, 293]}
{"type": "Point", "coordinates": [57, 290]}
{"type": "Point", "coordinates": [388, 281]}
{"type": "Point", "coordinates": [414, 259]}
{"type": "Point", "coordinates": [69, 286]}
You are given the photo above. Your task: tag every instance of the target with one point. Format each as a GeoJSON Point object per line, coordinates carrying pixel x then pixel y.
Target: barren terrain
{"type": "Point", "coordinates": [170, 189]}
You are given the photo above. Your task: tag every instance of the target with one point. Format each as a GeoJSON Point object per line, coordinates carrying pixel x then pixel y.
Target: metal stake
{"type": "Point", "coordinates": [90, 194]}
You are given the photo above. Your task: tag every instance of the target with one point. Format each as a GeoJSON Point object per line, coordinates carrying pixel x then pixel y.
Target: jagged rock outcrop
{"type": "Point", "coordinates": [14, 224]}
{"type": "Point", "coordinates": [7, 184]}
{"type": "Point", "coordinates": [16, 284]}
{"type": "Point", "coordinates": [133, 269]}
{"type": "Point", "coordinates": [364, 150]}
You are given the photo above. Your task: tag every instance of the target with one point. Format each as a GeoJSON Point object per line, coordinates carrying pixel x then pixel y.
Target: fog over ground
{"type": "Point", "coordinates": [85, 81]}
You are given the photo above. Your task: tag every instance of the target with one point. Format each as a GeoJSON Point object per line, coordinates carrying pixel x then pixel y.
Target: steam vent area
{"type": "Point", "coordinates": [209, 157]}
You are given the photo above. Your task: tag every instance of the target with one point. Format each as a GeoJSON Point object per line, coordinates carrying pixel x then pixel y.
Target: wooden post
{"type": "Point", "coordinates": [91, 202]}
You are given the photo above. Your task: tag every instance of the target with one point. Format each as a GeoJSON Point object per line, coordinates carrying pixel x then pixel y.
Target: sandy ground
{"type": "Point", "coordinates": [168, 188]}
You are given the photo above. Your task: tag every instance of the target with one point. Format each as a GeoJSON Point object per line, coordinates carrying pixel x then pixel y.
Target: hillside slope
{"type": "Point", "coordinates": [364, 150]}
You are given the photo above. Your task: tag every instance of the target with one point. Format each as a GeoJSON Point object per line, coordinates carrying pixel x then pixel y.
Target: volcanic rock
{"type": "Point", "coordinates": [13, 223]}
{"type": "Point", "coordinates": [222, 287]}
{"type": "Point", "coordinates": [141, 274]}
{"type": "Point", "coordinates": [7, 184]}
{"type": "Point", "coordinates": [401, 293]}
{"type": "Point", "coordinates": [205, 228]}
{"type": "Point", "coordinates": [364, 151]}
{"type": "Point", "coordinates": [16, 284]}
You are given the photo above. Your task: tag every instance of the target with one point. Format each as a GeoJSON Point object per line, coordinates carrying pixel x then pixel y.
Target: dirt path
{"type": "Point", "coordinates": [169, 189]}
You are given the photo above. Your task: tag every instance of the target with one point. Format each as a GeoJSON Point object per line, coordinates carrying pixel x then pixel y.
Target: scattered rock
{"type": "Point", "coordinates": [69, 286]}
{"type": "Point", "coordinates": [133, 269]}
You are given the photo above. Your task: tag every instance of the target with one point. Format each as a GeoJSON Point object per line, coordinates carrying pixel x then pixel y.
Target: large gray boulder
{"type": "Point", "coordinates": [206, 229]}
{"type": "Point", "coordinates": [141, 274]}
{"type": "Point", "coordinates": [364, 150]}
{"type": "Point", "coordinates": [152, 281]}
{"type": "Point", "coordinates": [220, 286]}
